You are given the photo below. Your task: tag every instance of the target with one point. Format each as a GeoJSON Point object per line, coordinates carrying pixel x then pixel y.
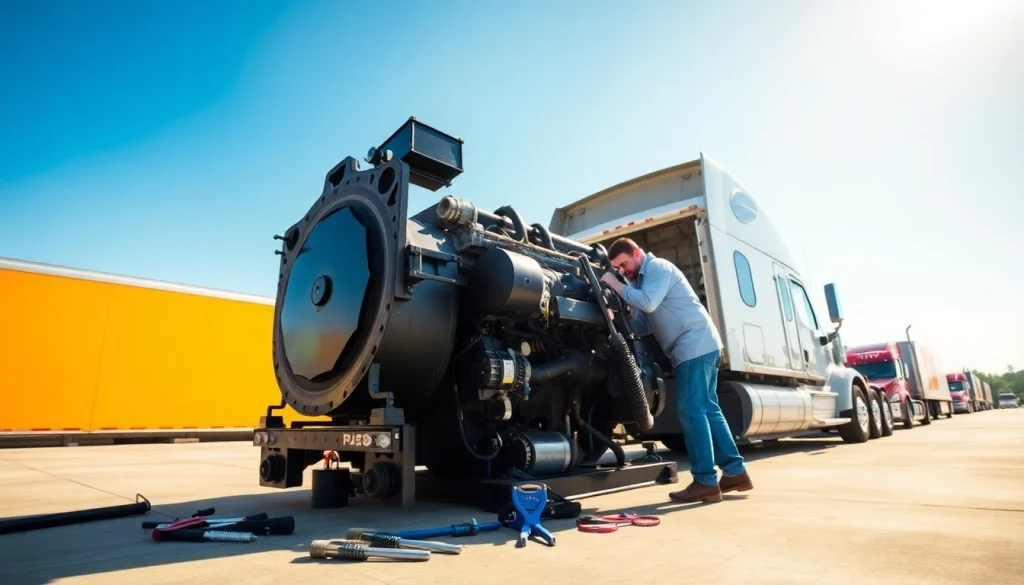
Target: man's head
{"type": "Point", "coordinates": [626, 257]}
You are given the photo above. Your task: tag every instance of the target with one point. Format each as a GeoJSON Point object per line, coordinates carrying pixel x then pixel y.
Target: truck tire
{"type": "Point", "coordinates": [858, 430]}
{"type": "Point", "coordinates": [927, 420]}
{"type": "Point", "coordinates": [907, 413]}
{"type": "Point", "coordinates": [875, 413]}
{"type": "Point", "coordinates": [887, 422]}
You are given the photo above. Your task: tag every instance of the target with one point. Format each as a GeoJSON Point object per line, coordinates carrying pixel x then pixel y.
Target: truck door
{"type": "Point", "coordinates": [789, 325]}
{"type": "Point", "coordinates": [815, 358]}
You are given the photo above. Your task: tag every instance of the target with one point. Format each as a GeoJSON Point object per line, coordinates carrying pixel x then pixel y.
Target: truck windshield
{"type": "Point", "coordinates": [877, 370]}
{"type": "Point", "coordinates": [956, 386]}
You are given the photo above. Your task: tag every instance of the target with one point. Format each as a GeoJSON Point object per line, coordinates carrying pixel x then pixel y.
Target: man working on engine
{"type": "Point", "coordinates": [664, 304]}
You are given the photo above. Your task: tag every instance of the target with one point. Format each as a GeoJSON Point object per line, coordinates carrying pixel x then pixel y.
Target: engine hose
{"type": "Point", "coordinates": [465, 439]}
{"type": "Point", "coordinates": [545, 235]}
{"type": "Point", "coordinates": [517, 221]}
{"type": "Point", "coordinates": [631, 381]}
{"type": "Point", "coordinates": [620, 455]}
{"type": "Point", "coordinates": [624, 360]}
{"type": "Point", "coordinates": [602, 255]}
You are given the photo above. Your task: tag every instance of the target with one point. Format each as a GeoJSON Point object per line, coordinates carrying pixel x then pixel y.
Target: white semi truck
{"type": "Point", "coordinates": [782, 372]}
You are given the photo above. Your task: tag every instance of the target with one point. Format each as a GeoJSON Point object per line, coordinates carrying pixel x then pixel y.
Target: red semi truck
{"type": "Point", "coordinates": [911, 376]}
{"type": "Point", "coordinates": [960, 391]}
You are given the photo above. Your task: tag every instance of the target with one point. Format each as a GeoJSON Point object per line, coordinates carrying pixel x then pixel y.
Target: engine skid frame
{"type": "Point", "coordinates": [286, 452]}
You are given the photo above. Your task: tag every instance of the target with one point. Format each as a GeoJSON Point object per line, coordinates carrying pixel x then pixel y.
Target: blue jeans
{"type": "Point", "coordinates": [709, 441]}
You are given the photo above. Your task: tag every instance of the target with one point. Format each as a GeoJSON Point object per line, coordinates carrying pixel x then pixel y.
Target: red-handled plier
{"type": "Point", "coordinates": [605, 524]}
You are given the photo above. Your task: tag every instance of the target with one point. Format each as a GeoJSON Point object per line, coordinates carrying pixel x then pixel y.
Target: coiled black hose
{"type": "Point", "coordinates": [625, 363]}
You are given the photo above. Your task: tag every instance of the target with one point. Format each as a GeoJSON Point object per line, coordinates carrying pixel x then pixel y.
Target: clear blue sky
{"type": "Point", "coordinates": [172, 140]}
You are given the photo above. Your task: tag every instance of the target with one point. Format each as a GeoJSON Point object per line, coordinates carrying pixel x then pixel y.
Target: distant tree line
{"type": "Point", "coordinates": [1011, 381]}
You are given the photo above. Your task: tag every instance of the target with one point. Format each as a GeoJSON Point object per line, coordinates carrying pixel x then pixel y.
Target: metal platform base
{"type": "Point", "coordinates": [492, 494]}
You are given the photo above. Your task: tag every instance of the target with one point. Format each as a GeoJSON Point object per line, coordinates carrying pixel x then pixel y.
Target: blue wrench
{"type": "Point", "coordinates": [528, 501]}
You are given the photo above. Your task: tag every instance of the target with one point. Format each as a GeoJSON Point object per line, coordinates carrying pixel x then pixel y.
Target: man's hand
{"type": "Point", "coordinates": [609, 279]}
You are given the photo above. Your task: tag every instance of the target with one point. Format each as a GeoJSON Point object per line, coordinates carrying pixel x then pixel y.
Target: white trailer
{"type": "Point", "coordinates": [782, 373]}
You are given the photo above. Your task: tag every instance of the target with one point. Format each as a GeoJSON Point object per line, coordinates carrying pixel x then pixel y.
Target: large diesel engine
{"type": "Point", "coordinates": [489, 338]}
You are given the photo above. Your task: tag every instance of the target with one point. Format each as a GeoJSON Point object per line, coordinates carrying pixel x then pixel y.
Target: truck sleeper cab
{"type": "Point", "coordinates": [781, 373]}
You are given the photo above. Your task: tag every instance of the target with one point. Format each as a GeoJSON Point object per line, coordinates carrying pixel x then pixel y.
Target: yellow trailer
{"type": "Point", "coordinates": [84, 352]}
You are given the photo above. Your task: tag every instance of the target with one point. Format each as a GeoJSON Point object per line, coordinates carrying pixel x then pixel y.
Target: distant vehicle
{"type": "Point", "coordinates": [964, 401]}
{"type": "Point", "coordinates": [1008, 400]}
{"type": "Point", "coordinates": [911, 377]}
{"type": "Point", "coordinates": [969, 392]}
{"type": "Point", "coordinates": [988, 396]}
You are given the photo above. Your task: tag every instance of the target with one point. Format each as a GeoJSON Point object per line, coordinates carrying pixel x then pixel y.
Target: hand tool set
{"type": "Point", "coordinates": [202, 528]}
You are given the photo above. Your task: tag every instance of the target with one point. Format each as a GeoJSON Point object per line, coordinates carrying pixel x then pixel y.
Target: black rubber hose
{"type": "Point", "coordinates": [620, 455]}
{"type": "Point", "coordinates": [624, 360]}
{"type": "Point", "coordinates": [462, 432]}
{"type": "Point", "coordinates": [141, 506]}
{"type": "Point", "coordinates": [544, 235]}
{"type": "Point", "coordinates": [517, 221]}
{"type": "Point", "coordinates": [631, 380]}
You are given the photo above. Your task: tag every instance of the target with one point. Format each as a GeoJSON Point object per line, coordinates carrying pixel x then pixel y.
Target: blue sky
{"type": "Point", "coordinates": [173, 140]}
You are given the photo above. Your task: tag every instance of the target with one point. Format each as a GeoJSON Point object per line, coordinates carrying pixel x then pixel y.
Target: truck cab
{"type": "Point", "coordinates": [960, 391]}
{"type": "Point", "coordinates": [781, 371]}
{"type": "Point", "coordinates": [883, 366]}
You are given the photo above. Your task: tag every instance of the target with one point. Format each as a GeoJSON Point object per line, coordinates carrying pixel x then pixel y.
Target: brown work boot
{"type": "Point", "coordinates": [696, 492]}
{"type": "Point", "coordinates": [740, 483]}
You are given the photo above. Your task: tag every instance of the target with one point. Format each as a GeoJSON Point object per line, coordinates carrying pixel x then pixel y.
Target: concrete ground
{"type": "Point", "coordinates": [936, 504]}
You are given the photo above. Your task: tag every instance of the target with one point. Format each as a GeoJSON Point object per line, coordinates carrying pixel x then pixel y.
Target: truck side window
{"type": "Point", "coordinates": [746, 281]}
{"type": "Point", "coordinates": [804, 309]}
{"type": "Point", "coordinates": [787, 300]}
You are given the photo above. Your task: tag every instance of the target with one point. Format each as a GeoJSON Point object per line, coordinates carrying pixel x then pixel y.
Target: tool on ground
{"type": "Point", "coordinates": [141, 506]}
{"type": "Point", "coordinates": [528, 502]}
{"type": "Point", "coordinates": [264, 526]}
{"type": "Point", "coordinates": [556, 508]}
{"type": "Point", "coordinates": [202, 535]}
{"type": "Point", "coordinates": [387, 540]}
{"type": "Point", "coordinates": [611, 523]}
{"type": "Point", "coordinates": [360, 551]}
{"type": "Point", "coordinates": [470, 528]}
{"type": "Point", "coordinates": [260, 516]}
{"type": "Point", "coordinates": [229, 529]}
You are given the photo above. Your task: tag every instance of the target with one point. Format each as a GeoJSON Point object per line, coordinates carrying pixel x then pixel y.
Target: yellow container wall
{"type": "Point", "coordinates": [78, 354]}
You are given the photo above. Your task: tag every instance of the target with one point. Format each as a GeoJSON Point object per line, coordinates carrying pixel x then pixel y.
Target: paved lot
{"type": "Point", "coordinates": [937, 504]}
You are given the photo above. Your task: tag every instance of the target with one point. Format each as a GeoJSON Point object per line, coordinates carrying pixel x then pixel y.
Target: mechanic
{"type": "Point", "coordinates": [665, 305]}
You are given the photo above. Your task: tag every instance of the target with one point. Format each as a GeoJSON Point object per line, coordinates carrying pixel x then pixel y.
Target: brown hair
{"type": "Point", "coordinates": [622, 246]}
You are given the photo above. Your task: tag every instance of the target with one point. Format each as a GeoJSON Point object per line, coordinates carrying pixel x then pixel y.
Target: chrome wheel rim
{"type": "Point", "coordinates": [876, 415]}
{"type": "Point", "coordinates": [862, 414]}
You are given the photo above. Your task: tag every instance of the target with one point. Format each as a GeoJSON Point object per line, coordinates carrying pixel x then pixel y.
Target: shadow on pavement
{"type": "Point", "coordinates": [105, 546]}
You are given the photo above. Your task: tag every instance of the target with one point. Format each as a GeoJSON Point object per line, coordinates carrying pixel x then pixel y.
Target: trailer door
{"type": "Point", "coordinates": [788, 319]}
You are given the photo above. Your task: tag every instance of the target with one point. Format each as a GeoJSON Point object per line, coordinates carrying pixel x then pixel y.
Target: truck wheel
{"type": "Point", "coordinates": [927, 408]}
{"type": "Point", "coordinates": [907, 413]}
{"type": "Point", "coordinates": [859, 428]}
{"type": "Point", "coordinates": [883, 404]}
{"type": "Point", "coordinates": [876, 416]}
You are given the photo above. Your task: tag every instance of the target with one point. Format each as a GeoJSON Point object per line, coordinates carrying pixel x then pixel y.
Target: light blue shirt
{"type": "Point", "coordinates": [665, 305]}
